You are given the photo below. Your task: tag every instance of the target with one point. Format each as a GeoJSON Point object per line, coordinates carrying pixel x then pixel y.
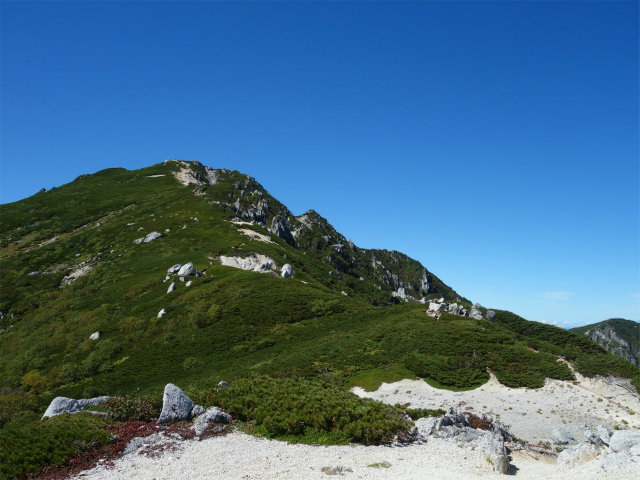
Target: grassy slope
{"type": "Point", "coordinates": [229, 322]}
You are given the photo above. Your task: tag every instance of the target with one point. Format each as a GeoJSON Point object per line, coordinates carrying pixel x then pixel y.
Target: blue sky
{"type": "Point", "coordinates": [495, 142]}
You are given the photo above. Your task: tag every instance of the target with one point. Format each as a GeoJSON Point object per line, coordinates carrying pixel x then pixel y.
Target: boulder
{"type": "Point", "coordinates": [172, 287]}
{"type": "Point", "coordinates": [176, 405]}
{"type": "Point", "coordinates": [68, 405]}
{"type": "Point", "coordinates": [454, 308]}
{"type": "Point", "coordinates": [175, 269]}
{"type": "Point", "coordinates": [475, 312]}
{"type": "Point", "coordinates": [138, 240]}
{"type": "Point", "coordinates": [592, 436]}
{"type": "Point", "coordinates": [223, 384]}
{"type": "Point", "coordinates": [61, 405]}
{"type": "Point", "coordinates": [500, 463]}
{"type": "Point", "coordinates": [576, 455]}
{"type": "Point", "coordinates": [287, 271]}
{"type": "Point", "coordinates": [560, 436]}
{"type": "Point", "coordinates": [188, 284]}
{"type": "Point", "coordinates": [185, 270]}
{"type": "Point", "coordinates": [490, 315]}
{"type": "Point", "coordinates": [94, 336]}
{"type": "Point", "coordinates": [152, 236]}
{"type": "Point", "coordinates": [624, 440]}
{"type": "Point", "coordinates": [212, 415]}
{"type": "Point", "coordinates": [436, 307]}
{"type": "Point", "coordinates": [161, 313]}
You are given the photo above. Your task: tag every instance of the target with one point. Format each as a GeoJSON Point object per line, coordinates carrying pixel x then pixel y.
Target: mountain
{"type": "Point", "coordinates": [91, 301]}
{"type": "Point", "coordinates": [616, 335]}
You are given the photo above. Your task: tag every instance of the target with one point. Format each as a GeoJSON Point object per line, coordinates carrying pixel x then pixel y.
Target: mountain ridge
{"type": "Point", "coordinates": [75, 261]}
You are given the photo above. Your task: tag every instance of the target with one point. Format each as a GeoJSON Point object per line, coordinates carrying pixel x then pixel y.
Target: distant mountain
{"type": "Point", "coordinates": [125, 280]}
{"type": "Point", "coordinates": [616, 335]}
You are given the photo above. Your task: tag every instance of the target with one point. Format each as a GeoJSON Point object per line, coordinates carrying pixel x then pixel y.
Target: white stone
{"type": "Point", "coordinates": [95, 336]}
{"type": "Point", "coordinates": [161, 313]}
{"type": "Point", "coordinates": [185, 270]}
{"type": "Point", "coordinates": [172, 287]}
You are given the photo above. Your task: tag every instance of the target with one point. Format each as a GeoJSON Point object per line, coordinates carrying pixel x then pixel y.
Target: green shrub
{"type": "Point", "coordinates": [309, 411]}
{"type": "Point", "coordinates": [128, 408]}
{"type": "Point", "coordinates": [27, 449]}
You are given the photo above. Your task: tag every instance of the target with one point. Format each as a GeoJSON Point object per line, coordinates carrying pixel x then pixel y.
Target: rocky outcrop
{"type": "Point", "coordinates": [458, 426]}
{"type": "Point", "coordinates": [68, 405]}
{"type": "Point", "coordinates": [257, 262]}
{"type": "Point", "coordinates": [606, 336]}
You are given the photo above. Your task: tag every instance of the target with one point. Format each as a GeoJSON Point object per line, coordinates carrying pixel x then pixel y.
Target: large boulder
{"type": "Point", "coordinates": [490, 315]}
{"type": "Point", "coordinates": [152, 236]}
{"type": "Point", "coordinates": [287, 271]}
{"type": "Point", "coordinates": [176, 406]}
{"type": "Point", "coordinates": [185, 270]}
{"type": "Point", "coordinates": [436, 307]}
{"type": "Point", "coordinates": [624, 440]}
{"type": "Point", "coordinates": [475, 312]}
{"type": "Point", "coordinates": [576, 455]}
{"type": "Point", "coordinates": [68, 405]}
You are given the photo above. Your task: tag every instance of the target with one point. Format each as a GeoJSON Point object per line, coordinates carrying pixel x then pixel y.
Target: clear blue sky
{"type": "Point", "coordinates": [495, 142]}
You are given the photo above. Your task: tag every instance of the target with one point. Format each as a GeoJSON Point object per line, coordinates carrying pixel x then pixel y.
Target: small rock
{"type": "Point", "coordinates": [161, 313]}
{"type": "Point", "coordinates": [181, 279]}
{"type": "Point", "coordinates": [188, 284]}
{"type": "Point", "coordinates": [172, 287]}
{"type": "Point", "coordinates": [175, 269]}
{"type": "Point", "coordinates": [223, 384]}
{"type": "Point", "coordinates": [212, 415]}
{"type": "Point", "coordinates": [344, 293]}
{"type": "Point", "coordinates": [138, 240]}
{"type": "Point", "coordinates": [94, 336]}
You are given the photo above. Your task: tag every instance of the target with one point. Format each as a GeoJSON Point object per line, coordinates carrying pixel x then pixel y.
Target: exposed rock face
{"type": "Point", "coordinates": [490, 315]}
{"type": "Point", "coordinates": [424, 282]}
{"type": "Point", "coordinates": [605, 335]}
{"type": "Point", "coordinates": [176, 405]}
{"type": "Point", "coordinates": [257, 263]}
{"type": "Point", "coordinates": [76, 274]}
{"type": "Point", "coordinates": [280, 228]}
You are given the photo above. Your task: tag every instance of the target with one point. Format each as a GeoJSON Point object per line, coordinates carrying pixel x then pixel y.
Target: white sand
{"type": "Point", "coordinates": [240, 456]}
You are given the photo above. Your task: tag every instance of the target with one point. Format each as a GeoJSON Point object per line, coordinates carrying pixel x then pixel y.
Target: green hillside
{"type": "Point", "coordinates": [342, 314]}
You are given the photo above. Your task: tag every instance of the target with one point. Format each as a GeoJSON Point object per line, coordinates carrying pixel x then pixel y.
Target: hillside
{"type": "Point", "coordinates": [83, 259]}
{"type": "Point", "coordinates": [616, 335]}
